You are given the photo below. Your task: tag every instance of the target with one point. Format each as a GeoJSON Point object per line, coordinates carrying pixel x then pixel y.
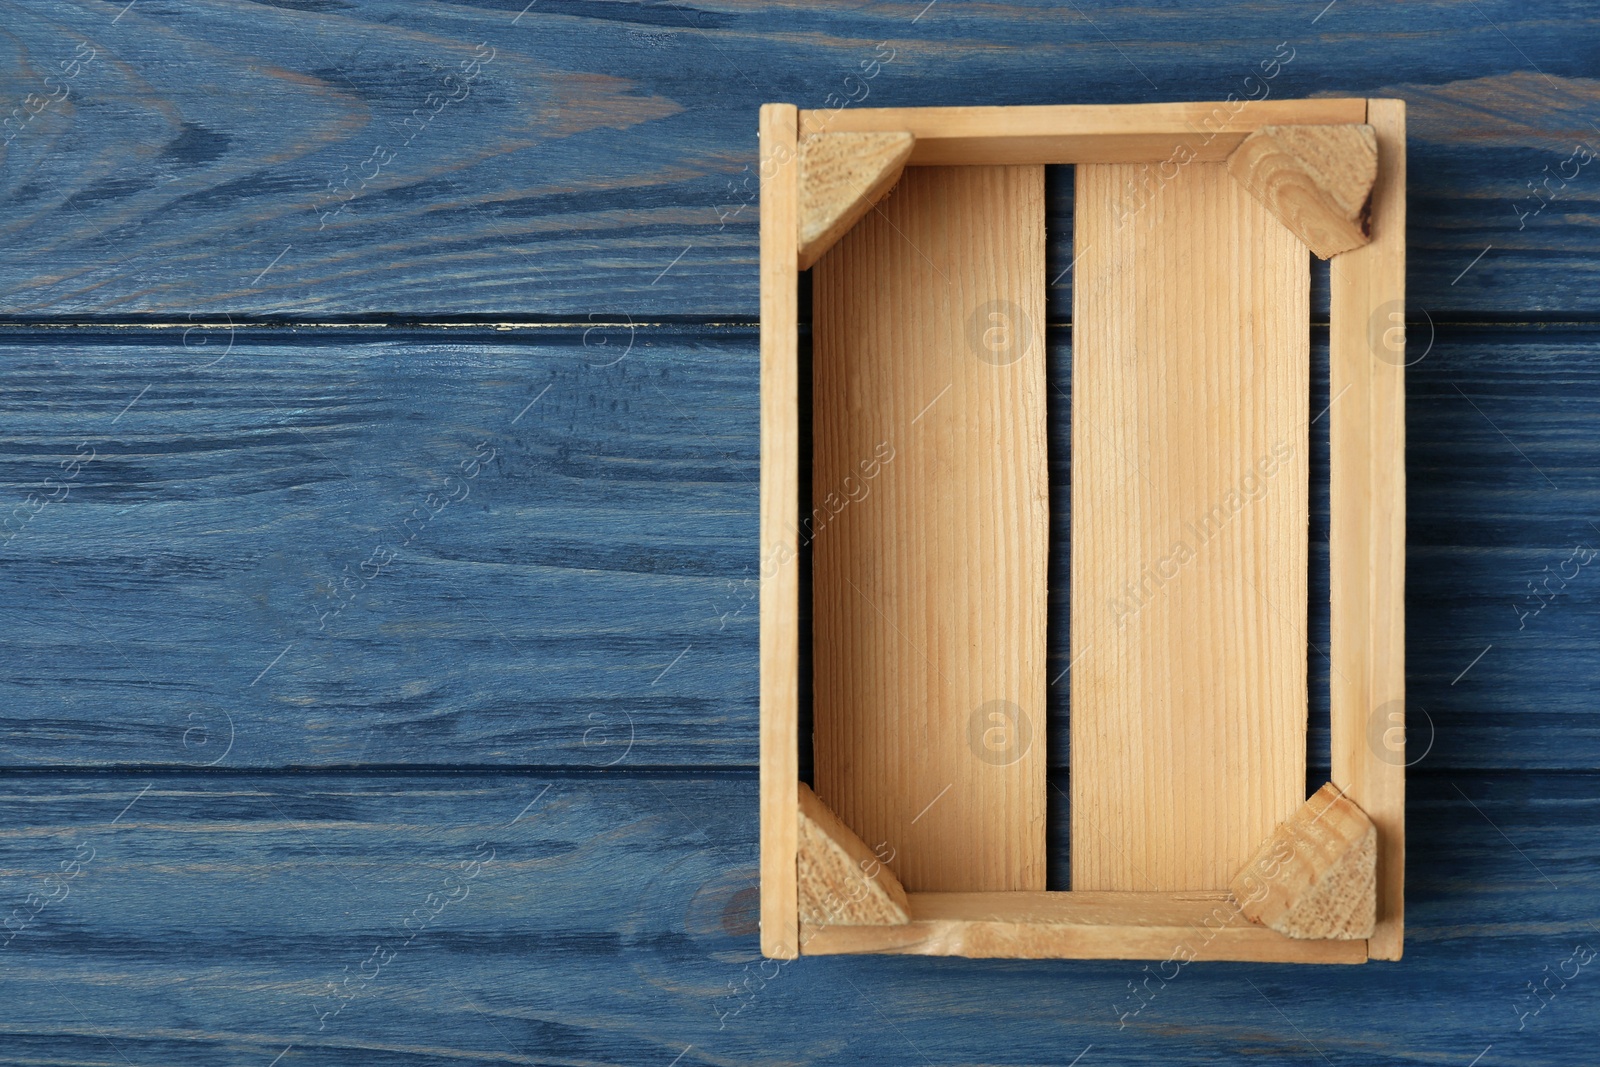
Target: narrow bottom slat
{"type": "Point", "coordinates": [1177, 927]}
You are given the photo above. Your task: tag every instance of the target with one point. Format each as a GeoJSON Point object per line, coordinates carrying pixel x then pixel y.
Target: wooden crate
{"type": "Point", "coordinates": [1191, 835]}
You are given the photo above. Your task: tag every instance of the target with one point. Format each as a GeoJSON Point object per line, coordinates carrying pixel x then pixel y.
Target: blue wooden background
{"type": "Point", "coordinates": [379, 471]}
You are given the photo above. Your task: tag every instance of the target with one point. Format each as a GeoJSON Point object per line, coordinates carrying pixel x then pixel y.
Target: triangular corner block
{"type": "Point", "coordinates": [1316, 179]}
{"type": "Point", "coordinates": [1316, 876]}
{"type": "Point", "coordinates": [841, 176]}
{"type": "Point", "coordinates": [841, 882]}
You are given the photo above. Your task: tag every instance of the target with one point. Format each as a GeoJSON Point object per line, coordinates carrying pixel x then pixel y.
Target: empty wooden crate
{"type": "Point", "coordinates": [1191, 835]}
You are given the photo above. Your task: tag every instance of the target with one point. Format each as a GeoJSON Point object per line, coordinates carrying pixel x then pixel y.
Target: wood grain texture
{"type": "Point", "coordinates": [586, 598]}
{"type": "Point", "coordinates": [1316, 876]}
{"type": "Point", "coordinates": [1081, 133]}
{"type": "Point", "coordinates": [1367, 533]}
{"type": "Point", "coordinates": [1499, 547]}
{"type": "Point", "coordinates": [603, 142]}
{"type": "Point", "coordinates": [842, 881]}
{"type": "Point", "coordinates": [930, 528]}
{"type": "Point", "coordinates": [1189, 583]}
{"type": "Point", "coordinates": [841, 176]}
{"type": "Point", "coordinates": [780, 530]}
{"type": "Point", "coordinates": [1317, 180]}
{"type": "Point", "coordinates": [221, 917]}
{"type": "Point", "coordinates": [1174, 928]}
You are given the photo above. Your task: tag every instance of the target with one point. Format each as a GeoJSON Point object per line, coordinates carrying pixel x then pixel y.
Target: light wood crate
{"type": "Point", "coordinates": [1191, 836]}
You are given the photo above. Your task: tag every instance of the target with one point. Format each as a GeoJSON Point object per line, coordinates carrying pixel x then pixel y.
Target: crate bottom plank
{"type": "Point", "coordinates": [930, 529]}
{"type": "Point", "coordinates": [1182, 927]}
{"type": "Point", "coordinates": [1190, 406]}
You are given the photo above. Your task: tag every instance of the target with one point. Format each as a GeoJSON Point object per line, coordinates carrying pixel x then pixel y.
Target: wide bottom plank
{"type": "Point", "coordinates": [1190, 445]}
{"type": "Point", "coordinates": [930, 529]}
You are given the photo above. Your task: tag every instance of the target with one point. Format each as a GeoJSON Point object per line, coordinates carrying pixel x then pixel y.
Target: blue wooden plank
{"type": "Point", "coordinates": [603, 919]}
{"type": "Point", "coordinates": [410, 157]}
{"type": "Point", "coordinates": [528, 552]}
{"type": "Point", "coordinates": [1502, 544]}
{"type": "Point", "coordinates": [595, 583]}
